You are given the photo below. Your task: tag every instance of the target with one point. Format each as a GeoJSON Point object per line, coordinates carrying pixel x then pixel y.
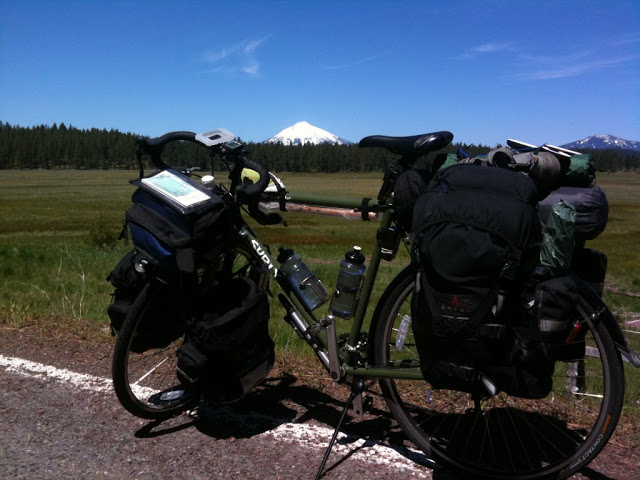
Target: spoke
{"type": "Point", "coordinates": [577, 394]}
{"type": "Point", "coordinates": [150, 371]}
{"type": "Point", "coordinates": [518, 436]}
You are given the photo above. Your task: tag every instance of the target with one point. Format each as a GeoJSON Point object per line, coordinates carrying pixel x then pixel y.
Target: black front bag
{"type": "Point", "coordinates": [161, 323]}
{"type": "Point", "coordinates": [477, 237]}
{"type": "Point", "coordinates": [170, 242]}
{"type": "Point", "coordinates": [228, 350]}
{"type": "Point", "coordinates": [177, 238]}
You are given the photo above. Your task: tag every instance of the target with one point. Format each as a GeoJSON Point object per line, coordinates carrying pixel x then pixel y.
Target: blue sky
{"type": "Point", "coordinates": [539, 71]}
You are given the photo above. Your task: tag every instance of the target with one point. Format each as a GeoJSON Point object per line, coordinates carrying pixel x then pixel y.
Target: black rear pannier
{"type": "Point", "coordinates": [160, 324]}
{"type": "Point", "coordinates": [477, 237]}
{"type": "Point", "coordinates": [557, 318]}
{"type": "Point", "coordinates": [591, 266]}
{"type": "Point", "coordinates": [409, 186]}
{"type": "Point", "coordinates": [228, 350]}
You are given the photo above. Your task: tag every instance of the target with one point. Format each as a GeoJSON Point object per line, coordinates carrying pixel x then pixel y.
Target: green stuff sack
{"type": "Point", "coordinates": [447, 160]}
{"type": "Point", "coordinates": [558, 238]}
{"type": "Point", "coordinates": [581, 172]}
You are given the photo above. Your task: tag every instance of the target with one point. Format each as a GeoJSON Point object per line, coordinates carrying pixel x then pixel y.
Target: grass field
{"type": "Point", "coordinates": [52, 274]}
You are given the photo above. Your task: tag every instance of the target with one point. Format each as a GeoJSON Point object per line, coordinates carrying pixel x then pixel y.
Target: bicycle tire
{"type": "Point", "coordinates": [508, 437]}
{"type": "Point", "coordinates": [146, 383]}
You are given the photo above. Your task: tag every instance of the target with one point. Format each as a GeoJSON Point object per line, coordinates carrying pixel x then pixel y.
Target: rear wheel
{"type": "Point", "coordinates": [145, 382]}
{"type": "Point", "coordinates": [502, 437]}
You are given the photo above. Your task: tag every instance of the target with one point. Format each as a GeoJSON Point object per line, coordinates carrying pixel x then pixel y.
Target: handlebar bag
{"type": "Point", "coordinates": [173, 219]}
{"type": "Point", "coordinates": [228, 349]}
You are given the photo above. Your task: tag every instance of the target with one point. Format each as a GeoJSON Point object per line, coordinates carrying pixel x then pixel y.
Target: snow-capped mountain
{"type": "Point", "coordinates": [303, 132]}
{"type": "Point", "coordinates": [602, 142]}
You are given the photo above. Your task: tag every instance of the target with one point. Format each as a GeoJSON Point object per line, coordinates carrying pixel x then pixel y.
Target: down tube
{"type": "Point", "coordinates": [273, 268]}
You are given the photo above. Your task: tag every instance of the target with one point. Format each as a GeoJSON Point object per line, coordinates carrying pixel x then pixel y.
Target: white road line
{"type": "Point", "coordinates": [47, 372]}
{"type": "Point", "coordinates": [314, 435]}
{"type": "Point", "coordinates": [305, 435]}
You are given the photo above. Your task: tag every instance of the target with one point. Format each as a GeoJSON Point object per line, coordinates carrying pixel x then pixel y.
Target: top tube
{"type": "Point", "coordinates": [336, 206]}
{"type": "Point", "coordinates": [324, 200]}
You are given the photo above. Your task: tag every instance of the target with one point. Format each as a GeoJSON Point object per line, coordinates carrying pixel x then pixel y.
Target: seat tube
{"type": "Point", "coordinates": [368, 282]}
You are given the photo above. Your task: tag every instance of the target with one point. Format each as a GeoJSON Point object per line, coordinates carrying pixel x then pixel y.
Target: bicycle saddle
{"type": "Point", "coordinates": [409, 147]}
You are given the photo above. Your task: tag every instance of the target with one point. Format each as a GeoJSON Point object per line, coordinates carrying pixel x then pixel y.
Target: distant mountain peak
{"type": "Point", "coordinates": [303, 132]}
{"type": "Point", "coordinates": [603, 141]}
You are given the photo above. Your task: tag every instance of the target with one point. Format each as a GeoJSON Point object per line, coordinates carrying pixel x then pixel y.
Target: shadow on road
{"type": "Point", "coordinates": [280, 400]}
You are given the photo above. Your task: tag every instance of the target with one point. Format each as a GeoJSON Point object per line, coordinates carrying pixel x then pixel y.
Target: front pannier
{"type": "Point", "coordinates": [228, 350]}
{"type": "Point", "coordinates": [161, 322]}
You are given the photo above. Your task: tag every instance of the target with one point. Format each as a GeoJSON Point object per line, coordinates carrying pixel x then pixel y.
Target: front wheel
{"type": "Point", "coordinates": [145, 381]}
{"type": "Point", "coordinates": [145, 359]}
{"type": "Point", "coordinates": [502, 437]}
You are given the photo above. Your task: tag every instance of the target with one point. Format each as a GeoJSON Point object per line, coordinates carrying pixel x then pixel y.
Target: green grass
{"type": "Point", "coordinates": [52, 275]}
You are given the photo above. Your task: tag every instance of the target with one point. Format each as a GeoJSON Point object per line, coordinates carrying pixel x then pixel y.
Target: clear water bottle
{"type": "Point", "coordinates": [343, 302]}
{"type": "Point", "coordinates": [403, 329]}
{"type": "Point", "coordinates": [307, 287]}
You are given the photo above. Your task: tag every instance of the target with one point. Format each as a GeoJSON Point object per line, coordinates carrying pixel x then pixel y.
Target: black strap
{"type": "Point", "coordinates": [282, 199]}
{"type": "Point", "coordinates": [124, 233]}
{"type": "Point", "coordinates": [364, 209]}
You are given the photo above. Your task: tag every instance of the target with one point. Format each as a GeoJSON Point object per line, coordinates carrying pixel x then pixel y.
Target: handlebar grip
{"type": "Point", "coordinates": [244, 194]}
{"type": "Point", "coordinates": [154, 146]}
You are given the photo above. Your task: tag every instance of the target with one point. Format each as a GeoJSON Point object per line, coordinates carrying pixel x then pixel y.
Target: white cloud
{"type": "Point", "coordinates": [252, 69]}
{"type": "Point", "coordinates": [237, 58]}
{"type": "Point", "coordinates": [487, 48]}
{"type": "Point", "coordinates": [549, 68]}
{"type": "Point", "coordinates": [342, 66]}
{"type": "Point", "coordinates": [492, 47]}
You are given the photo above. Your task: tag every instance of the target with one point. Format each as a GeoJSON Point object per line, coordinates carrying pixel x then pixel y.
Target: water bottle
{"type": "Point", "coordinates": [306, 286]}
{"type": "Point", "coordinates": [344, 299]}
{"type": "Point", "coordinates": [403, 329]}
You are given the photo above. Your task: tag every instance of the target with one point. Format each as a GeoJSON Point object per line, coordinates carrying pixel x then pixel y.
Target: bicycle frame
{"type": "Point", "coordinates": [312, 329]}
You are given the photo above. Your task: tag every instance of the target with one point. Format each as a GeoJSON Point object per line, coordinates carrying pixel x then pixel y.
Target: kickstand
{"type": "Point", "coordinates": [356, 389]}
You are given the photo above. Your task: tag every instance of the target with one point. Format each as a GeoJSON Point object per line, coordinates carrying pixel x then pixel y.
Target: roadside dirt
{"type": "Point", "coordinates": [50, 431]}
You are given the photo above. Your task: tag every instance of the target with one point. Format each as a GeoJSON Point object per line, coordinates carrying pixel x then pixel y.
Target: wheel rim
{"type": "Point", "coordinates": [504, 436]}
{"type": "Point", "coordinates": [152, 379]}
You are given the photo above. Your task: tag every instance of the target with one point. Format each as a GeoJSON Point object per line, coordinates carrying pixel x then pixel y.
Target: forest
{"type": "Point", "coordinates": [61, 146]}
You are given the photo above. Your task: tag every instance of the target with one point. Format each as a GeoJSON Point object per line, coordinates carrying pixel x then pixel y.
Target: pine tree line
{"type": "Point", "coordinates": [59, 146]}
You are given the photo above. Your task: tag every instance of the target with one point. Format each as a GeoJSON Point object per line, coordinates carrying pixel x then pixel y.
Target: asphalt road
{"type": "Point", "coordinates": [59, 419]}
{"type": "Point", "coordinates": [58, 424]}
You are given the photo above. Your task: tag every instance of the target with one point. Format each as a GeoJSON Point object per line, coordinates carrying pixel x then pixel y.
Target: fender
{"type": "Point", "coordinates": [591, 303]}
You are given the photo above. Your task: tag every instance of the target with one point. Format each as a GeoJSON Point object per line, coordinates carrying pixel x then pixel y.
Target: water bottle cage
{"type": "Point", "coordinates": [315, 284]}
